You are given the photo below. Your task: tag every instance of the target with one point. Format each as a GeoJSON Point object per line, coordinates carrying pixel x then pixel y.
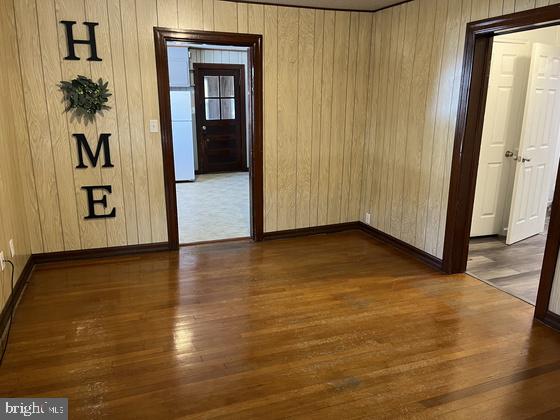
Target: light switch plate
{"type": "Point", "coordinates": [12, 248]}
{"type": "Point", "coordinates": [2, 263]}
{"type": "Point", "coordinates": [368, 218]}
{"type": "Point", "coordinates": [154, 126]}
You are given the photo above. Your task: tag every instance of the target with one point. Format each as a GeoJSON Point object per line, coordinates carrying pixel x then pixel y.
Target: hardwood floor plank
{"type": "Point", "coordinates": [325, 326]}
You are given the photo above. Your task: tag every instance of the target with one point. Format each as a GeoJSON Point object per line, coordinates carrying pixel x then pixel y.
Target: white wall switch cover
{"type": "Point", "coordinates": [154, 126]}
{"type": "Point", "coordinates": [2, 263]}
{"type": "Point", "coordinates": [368, 218]}
{"type": "Point", "coordinates": [12, 248]}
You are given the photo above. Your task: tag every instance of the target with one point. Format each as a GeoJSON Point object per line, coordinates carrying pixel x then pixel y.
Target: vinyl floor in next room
{"type": "Point", "coordinates": [335, 326]}
{"type": "Point", "coordinates": [214, 207]}
{"type": "Point", "coordinates": [515, 269]}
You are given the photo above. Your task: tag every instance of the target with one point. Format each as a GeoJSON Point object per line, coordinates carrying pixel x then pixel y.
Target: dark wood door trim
{"type": "Point", "coordinates": [468, 136]}
{"type": "Point", "coordinates": [255, 141]}
{"type": "Point", "coordinates": [240, 105]}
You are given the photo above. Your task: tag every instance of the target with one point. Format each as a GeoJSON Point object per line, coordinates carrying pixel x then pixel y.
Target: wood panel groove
{"type": "Point", "coordinates": [349, 104]}
{"type": "Point", "coordinates": [316, 107]}
{"type": "Point", "coordinates": [46, 14]}
{"type": "Point", "coordinates": [429, 129]}
{"type": "Point", "coordinates": [360, 116]}
{"type": "Point", "coordinates": [304, 144]}
{"type": "Point", "coordinates": [37, 126]}
{"type": "Point", "coordinates": [373, 85]}
{"type": "Point", "coordinates": [326, 115]}
{"type": "Point", "coordinates": [341, 57]}
{"type": "Point", "coordinates": [52, 127]}
{"type": "Point", "coordinates": [135, 102]}
{"type": "Point", "coordinates": [27, 173]}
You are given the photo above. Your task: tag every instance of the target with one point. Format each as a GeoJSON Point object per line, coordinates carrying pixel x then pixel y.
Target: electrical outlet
{"type": "Point", "coordinates": [12, 248]}
{"type": "Point", "coordinates": [368, 218]}
{"type": "Point", "coordinates": [2, 263]}
{"type": "Point", "coordinates": [154, 126]}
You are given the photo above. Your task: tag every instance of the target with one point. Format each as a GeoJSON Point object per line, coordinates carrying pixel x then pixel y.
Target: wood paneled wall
{"type": "Point", "coordinates": [14, 148]}
{"type": "Point", "coordinates": [415, 74]}
{"type": "Point", "coordinates": [359, 113]}
{"type": "Point", "coordinates": [315, 84]}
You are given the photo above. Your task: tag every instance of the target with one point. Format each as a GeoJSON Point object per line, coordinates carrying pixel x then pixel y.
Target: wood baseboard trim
{"type": "Point", "coordinates": [551, 320]}
{"type": "Point", "coordinates": [114, 251]}
{"type": "Point", "coordinates": [14, 297]}
{"type": "Point", "coordinates": [411, 250]}
{"type": "Point", "coordinates": [314, 230]}
{"type": "Point", "coordinates": [49, 257]}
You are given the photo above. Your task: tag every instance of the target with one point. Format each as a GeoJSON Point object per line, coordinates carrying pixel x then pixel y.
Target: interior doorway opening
{"type": "Point", "coordinates": [210, 94]}
{"type": "Point", "coordinates": [467, 148]}
{"type": "Point", "coordinates": [518, 162]}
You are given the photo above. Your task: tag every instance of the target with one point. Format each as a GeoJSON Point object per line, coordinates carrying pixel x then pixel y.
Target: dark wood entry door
{"type": "Point", "coordinates": [220, 117]}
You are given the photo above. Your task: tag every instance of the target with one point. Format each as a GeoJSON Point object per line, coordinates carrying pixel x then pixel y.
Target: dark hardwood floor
{"type": "Point", "coordinates": [330, 326]}
{"type": "Point", "coordinates": [515, 269]}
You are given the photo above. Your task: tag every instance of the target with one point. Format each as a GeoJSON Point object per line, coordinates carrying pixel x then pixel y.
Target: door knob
{"type": "Point", "coordinates": [509, 154]}
{"type": "Point", "coordinates": [204, 128]}
{"type": "Point", "coordinates": [525, 160]}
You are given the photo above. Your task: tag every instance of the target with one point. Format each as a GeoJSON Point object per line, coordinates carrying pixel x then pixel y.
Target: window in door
{"type": "Point", "coordinates": [219, 97]}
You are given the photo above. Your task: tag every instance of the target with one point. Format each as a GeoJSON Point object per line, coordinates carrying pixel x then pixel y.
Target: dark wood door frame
{"type": "Point", "coordinates": [468, 136]}
{"type": "Point", "coordinates": [255, 142]}
{"type": "Point", "coordinates": [241, 109]}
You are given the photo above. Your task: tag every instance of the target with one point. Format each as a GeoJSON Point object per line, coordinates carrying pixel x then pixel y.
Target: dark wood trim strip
{"type": "Point", "coordinates": [217, 241]}
{"type": "Point", "coordinates": [114, 251]}
{"type": "Point", "coordinates": [14, 297]}
{"type": "Point", "coordinates": [551, 250]}
{"type": "Point", "coordinates": [313, 230]}
{"type": "Point", "coordinates": [335, 9]}
{"type": "Point", "coordinates": [490, 385]}
{"type": "Point", "coordinates": [551, 319]}
{"type": "Point", "coordinates": [254, 44]}
{"type": "Point", "coordinates": [408, 249]}
{"type": "Point", "coordinates": [463, 172]}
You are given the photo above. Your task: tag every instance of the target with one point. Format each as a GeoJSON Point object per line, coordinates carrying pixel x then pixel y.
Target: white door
{"type": "Point", "coordinates": [507, 85]}
{"type": "Point", "coordinates": [539, 133]}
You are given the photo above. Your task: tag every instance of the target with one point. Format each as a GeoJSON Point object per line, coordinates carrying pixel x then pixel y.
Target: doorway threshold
{"type": "Point", "coordinates": [217, 241]}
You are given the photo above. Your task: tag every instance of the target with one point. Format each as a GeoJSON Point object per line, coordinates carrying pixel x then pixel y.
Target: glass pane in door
{"type": "Point", "coordinates": [212, 109]}
{"type": "Point", "coordinates": [227, 87]}
{"type": "Point", "coordinates": [228, 109]}
{"type": "Point", "coordinates": [211, 87]}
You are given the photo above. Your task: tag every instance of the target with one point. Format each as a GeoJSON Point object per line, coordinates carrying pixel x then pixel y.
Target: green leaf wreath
{"type": "Point", "coordinates": [85, 97]}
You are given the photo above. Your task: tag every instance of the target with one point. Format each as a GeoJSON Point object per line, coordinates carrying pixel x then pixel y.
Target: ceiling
{"type": "Point", "coordinates": [370, 5]}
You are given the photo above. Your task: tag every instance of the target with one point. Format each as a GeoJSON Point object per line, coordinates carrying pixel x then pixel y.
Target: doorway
{"type": "Point", "coordinates": [220, 123]}
{"type": "Point", "coordinates": [527, 172]}
{"type": "Point", "coordinates": [518, 162]}
{"type": "Point", "coordinates": [210, 92]}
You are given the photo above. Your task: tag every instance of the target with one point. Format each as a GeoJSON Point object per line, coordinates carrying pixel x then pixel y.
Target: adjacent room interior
{"type": "Point", "coordinates": [210, 98]}
{"type": "Point", "coordinates": [518, 162]}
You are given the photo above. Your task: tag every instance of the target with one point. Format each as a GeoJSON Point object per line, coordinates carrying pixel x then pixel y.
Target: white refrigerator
{"type": "Point", "coordinates": [181, 114]}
